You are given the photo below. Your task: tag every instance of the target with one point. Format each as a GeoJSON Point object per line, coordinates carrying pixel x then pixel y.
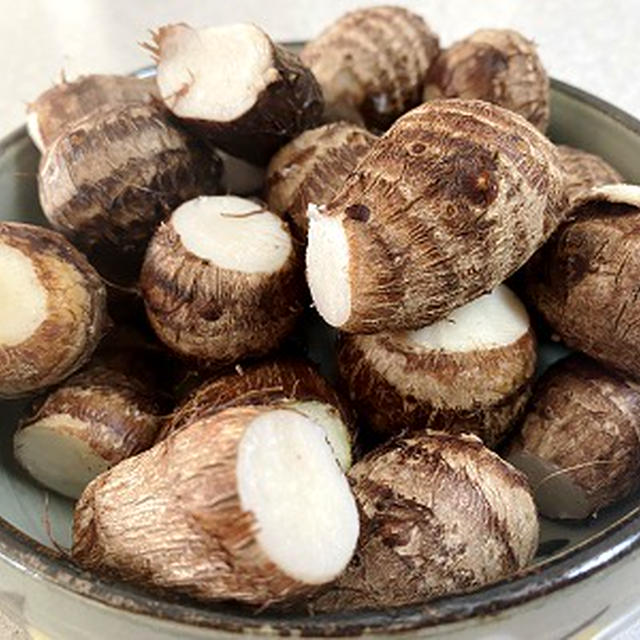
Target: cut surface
{"type": "Point", "coordinates": [23, 299]}
{"type": "Point", "coordinates": [306, 516]}
{"type": "Point", "coordinates": [493, 320]}
{"type": "Point", "coordinates": [33, 129]}
{"type": "Point", "coordinates": [216, 73]}
{"type": "Point", "coordinates": [619, 193]}
{"type": "Point", "coordinates": [54, 451]}
{"type": "Point", "coordinates": [328, 267]}
{"type": "Point", "coordinates": [233, 233]}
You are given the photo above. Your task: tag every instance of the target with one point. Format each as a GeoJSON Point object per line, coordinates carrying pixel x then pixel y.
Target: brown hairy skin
{"type": "Point", "coordinates": [217, 316]}
{"type": "Point", "coordinates": [64, 103]}
{"type": "Point", "coordinates": [584, 171]}
{"type": "Point", "coordinates": [439, 514]}
{"type": "Point", "coordinates": [497, 65]}
{"type": "Point", "coordinates": [291, 103]}
{"type": "Point", "coordinates": [113, 176]}
{"type": "Point", "coordinates": [453, 199]}
{"type": "Point", "coordinates": [585, 421]}
{"type": "Point", "coordinates": [371, 64]}
{"type": "Point", "coordinates": [584, 282]}
{"type": "Point", "coordinates": [170, 518]}
{"type": "Point", "coordinates": [398, 387]}
{"type": "Point", "coordinates": [76, 313]}
{"type": "Point", "coordinates": [312, 168]}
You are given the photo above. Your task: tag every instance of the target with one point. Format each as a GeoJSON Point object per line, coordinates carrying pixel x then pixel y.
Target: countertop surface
{"type": "Point", "coordinates": [593, 44]}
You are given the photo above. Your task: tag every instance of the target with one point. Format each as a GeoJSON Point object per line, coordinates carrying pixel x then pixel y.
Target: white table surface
{"type": "Point", "coordinates": [593, 44]}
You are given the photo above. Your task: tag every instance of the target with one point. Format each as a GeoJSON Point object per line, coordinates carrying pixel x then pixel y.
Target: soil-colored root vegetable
{"type": "Point", "coordinates": [584, 281]}
{"type": "Point", "coordinates": [453, 199]}
{"type": "Point", "coordinates": [249, 109]}
{"type": "Point", "coordinates": [312, 168]}
{"type": "Point", "coordinates": [470, 372]}
{"type": "Point", "coordinates": [99, 417]}
{"type": "Point", "coordinates": [59, 107]}
{"type": "Point", "coordinates": [496, 65]}
{"type": "Point", "coordinates": [53, 310]}
{"type": "Point", "coordinates": [580, 442]}
{"type": "Point", "coordinates": [584, 171]}
{"type": "Point", "coordinates": [222, 280]}
{"type": "Point", "coordinates": [439, 514]}
{"type": "Point", "coordinates": [289, 383]}
{"type": "Point", "coordinates": [371, 64]}
{"type": "Point", "coordinates": [112, 177]}
{"type": "Point", "coordinates": [248, 504]}
{"type": "Point", "coordinates": [241, 178]}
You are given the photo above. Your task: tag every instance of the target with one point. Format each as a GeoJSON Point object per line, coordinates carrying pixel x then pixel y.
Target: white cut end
{"type": "Point", "coordinates": [328, 267]}
{"type": "Point", "coordinates": [494, 320]}
{"type": "Point", "coordinates": [233, 233]}
{"type": "Point", "coordinates": [23, 299]}
{"type": "Point", "coordinates": [33, 129]}
{"type": "Point", "coordinates": [306, 516]}
{"type": "Point", "coordinates": [240, 177]}
{"type": "Point", "coordinates": [55, 452]}
{"type": "Point", "coordinates": [214, 74]}
{"type": "Point", "coordinates": [616, 193]}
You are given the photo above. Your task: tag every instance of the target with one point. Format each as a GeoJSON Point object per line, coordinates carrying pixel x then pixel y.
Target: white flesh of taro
{"type": "Point", "coordinates": [33, 129]}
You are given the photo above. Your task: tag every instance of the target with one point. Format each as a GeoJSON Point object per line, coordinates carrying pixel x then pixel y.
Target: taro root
{"type": "Point", "coordinates": [53, 310]}
{"type": "Point", "coordinates": [580, 442]}
{"type": "Point", "coordinates": [453, 199]}
{"type": "Point", "coordinates": [234, 85]}
{"type": "Point", "coordinates": [470, 372]}
{"type": "Point", "coordinates": [371, 64]}
{"type": "Point", "coordinates": [312, 168]}
{"type": "Point", "coordinates": [439, 514]}
{"type": "Point", "coordinates": [222, 280]}
{"type": "Point", "coordinates": [584, 171]}
{"type": "Point", "coordinates": [59, 107]}
{"type": "Point", "coordinates": [584, 281]}
{"type": "Point", "coordinates": [248, 504]}
{"type": "Point", "coordinates": [497, 65]}
{"type": "Point", "coordinates": [109, 179]}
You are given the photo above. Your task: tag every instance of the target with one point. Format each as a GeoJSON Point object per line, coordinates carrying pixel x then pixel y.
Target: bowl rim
{"type": "Point", "coordinates": [591, 556]}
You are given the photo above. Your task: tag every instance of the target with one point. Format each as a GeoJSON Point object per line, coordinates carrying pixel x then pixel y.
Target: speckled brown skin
{"type": "Point", "coordinates": [217, 316]}
{"type": "Point", "coordinates": [397, 386]}
{"type": "Point", "coordinates": [312, 168]}
{"type": "Point", "coordinates": [585, 421]}
{"type": "Point", "coordinates": [439, 514]}
{"type": "Point", "coordinates": [110, 179]}
{"type": "Point", "coordinates": [496, 65]}
{"type": "Point", "coordinates": [371, 64]}
{"type": "Point", "coordinates": [291, 103]}
{"type": "Point", "coordinates": [584, 281]}
{"type": "Point", "coordinates": [453, 199]}
{"type": "Point", "coordinates": [585, 171]}
{"type": "Point", "coordinates": [171, 518]}
{"type": "Point", "coordinates": [65, 103]}
{"type": "Point", "coordinates": [76, 313]}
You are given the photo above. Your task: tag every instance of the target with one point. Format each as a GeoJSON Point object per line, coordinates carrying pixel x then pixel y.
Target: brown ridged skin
{"type": "Point", "coordinates": [584, 171]}
{"type": "Point", "coordinates": [497, 65]}
{"type": "Point", "coordinates": [371, 64]}
{"type": "Point", "coordinates": [263, 383]}
{"type": "Point", "coordinates": [586, 421]}
{"type": "Point", "coordinates": [584, 282]}
{"type": "Point", "coordinates": [110, 179]}
{"type": "Point", "coordinates": [290, 104]}
{"type": "Point", "coordinates": [217, 316]}
{"type": "Point", "coordinates": [76, 312]}
{"type": "Point", "coordinates": [439, 514]}
{"type": "Point", "coordinates": [171, 518]}
{"type": "Point", "coordinates": [312, 168]}
{"type": "Point", "coordinates": [397, 386]}
{"type": "Point", "coordinates": [452, 200]}
{"type": "Point", "coordinates": [67, 102]}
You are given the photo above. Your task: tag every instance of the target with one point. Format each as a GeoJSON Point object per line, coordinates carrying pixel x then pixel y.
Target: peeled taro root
{"type": "Point", "coordinates": [440, 514]}
{"type": "Point", "coordinates": [470, 372]}
{"type": "Point", "coordinates": [53, 311]}
{"type": "Point", "coordinates": [580, 441]}
{"type": "Point", "coordinates": [248, 504]}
